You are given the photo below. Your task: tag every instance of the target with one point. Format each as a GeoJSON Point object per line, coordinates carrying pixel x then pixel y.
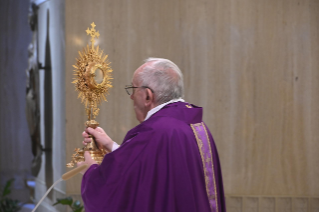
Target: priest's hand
{"type": "Point", "coordinates": [87, 160]}
{"type": "Point", "coordinates": [102, 139]}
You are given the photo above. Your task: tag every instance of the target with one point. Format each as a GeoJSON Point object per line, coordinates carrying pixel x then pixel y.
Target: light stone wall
{"type": "Point", "coordinates": [51, 48]}
{"type": "Point", "coordinates": [252, 65]}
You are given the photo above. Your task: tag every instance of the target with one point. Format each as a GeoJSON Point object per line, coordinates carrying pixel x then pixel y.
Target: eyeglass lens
{"type": "Point", "coordinates": [129, 90]}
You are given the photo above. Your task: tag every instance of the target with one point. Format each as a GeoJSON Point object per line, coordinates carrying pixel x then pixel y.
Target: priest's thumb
{"type": "Point", "coordinates": [91, 131]}
{"type": "Point", "coordinates": [88, 160]}
{"type": "Point", "coordinates": [87, 156]}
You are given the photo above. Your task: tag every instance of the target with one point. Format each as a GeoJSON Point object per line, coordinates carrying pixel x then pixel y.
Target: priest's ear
{"type": "Point", "coordinates": [149, 97]}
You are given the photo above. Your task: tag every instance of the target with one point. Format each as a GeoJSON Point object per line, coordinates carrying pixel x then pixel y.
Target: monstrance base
{"type": "Point", "coordinates": [78, 156]}
{"type": "Point", "coordinates": [96, 153]}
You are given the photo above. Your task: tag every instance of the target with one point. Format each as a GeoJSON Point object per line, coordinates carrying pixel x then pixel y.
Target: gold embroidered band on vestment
{"type": "Point", "coordinates": [205, 150]}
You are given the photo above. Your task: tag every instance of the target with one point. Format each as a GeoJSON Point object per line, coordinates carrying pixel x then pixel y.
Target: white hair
{"type": "Point", "coordinates": [164, 78]}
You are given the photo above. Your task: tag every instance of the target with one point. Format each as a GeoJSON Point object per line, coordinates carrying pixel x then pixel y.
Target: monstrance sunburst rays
{"type": "Point", "coordinates": [90, 92]}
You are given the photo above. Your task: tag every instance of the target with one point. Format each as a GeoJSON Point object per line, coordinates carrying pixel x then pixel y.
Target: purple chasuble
{"type": "Point", "coordinates": [168, 163]}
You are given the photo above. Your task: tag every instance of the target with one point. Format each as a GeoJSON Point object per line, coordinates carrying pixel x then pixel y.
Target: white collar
{"type": "Point", "coordinates": [157, 108]}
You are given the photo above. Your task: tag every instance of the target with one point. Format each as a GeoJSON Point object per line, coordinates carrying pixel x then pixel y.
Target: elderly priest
{"type": "Point", "coordinates": [168, 163]}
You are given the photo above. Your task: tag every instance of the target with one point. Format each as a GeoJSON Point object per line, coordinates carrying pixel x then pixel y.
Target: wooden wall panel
{"type": "Point", "coordinates": [252, 65]}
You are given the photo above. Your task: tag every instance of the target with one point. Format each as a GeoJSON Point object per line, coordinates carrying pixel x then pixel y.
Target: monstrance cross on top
{"type": "Point", "coordinates": [93, 33]}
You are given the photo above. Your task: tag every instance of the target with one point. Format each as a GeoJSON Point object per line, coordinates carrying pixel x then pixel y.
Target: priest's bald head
{"type": "Point", "coordinates": [157, 81]}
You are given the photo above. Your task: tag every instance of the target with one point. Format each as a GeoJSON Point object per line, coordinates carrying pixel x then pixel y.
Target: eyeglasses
{"type": "Point", "coordinates": [130, 89]}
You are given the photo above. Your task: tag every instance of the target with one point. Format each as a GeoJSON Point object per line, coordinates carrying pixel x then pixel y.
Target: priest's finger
{"type": "Point", "coordinates": [92, 131]}
{"type": "Point", "coordinates": [84, 143]}
{"type": "Point", "coordinates": [87, 140]}
{"type": "Point", "coordinates": [99, 129]}
{"type": "Point", "coordinates": [85, 135]}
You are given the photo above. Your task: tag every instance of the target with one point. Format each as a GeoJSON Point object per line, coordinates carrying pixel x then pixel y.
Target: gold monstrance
{"type": "Point", "coordinates": [92, 81]}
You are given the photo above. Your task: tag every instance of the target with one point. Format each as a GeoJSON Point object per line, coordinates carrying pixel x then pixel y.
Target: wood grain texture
{"type": "Point", "coordinates": [252, 65]}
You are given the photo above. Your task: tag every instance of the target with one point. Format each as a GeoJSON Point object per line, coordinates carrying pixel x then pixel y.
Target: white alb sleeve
{"type": "Point", "coordinates": [115, 146]}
